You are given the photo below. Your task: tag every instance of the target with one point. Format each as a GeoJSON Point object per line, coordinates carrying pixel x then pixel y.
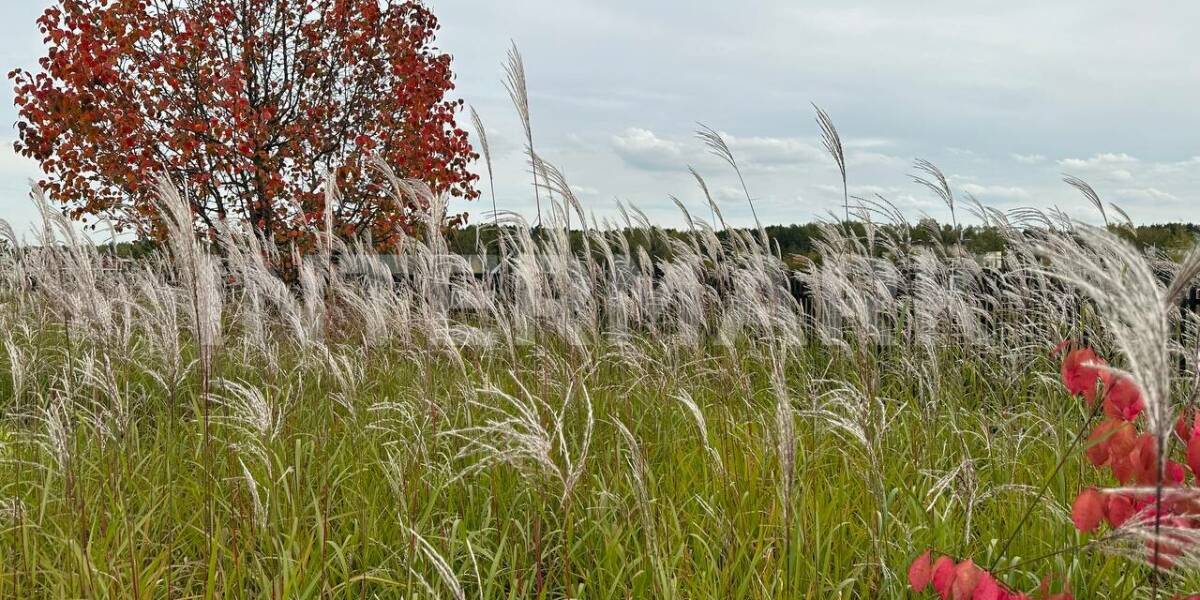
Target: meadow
{"type": "Point", "coordinates": [590, 423]}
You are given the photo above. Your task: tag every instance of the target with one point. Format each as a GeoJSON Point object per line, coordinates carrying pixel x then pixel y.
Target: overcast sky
{"type": "Point", "coordinates": [1005, 97]}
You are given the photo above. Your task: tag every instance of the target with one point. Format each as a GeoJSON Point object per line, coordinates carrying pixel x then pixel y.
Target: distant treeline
{"type": "Point", "coordinates": [797, 240]}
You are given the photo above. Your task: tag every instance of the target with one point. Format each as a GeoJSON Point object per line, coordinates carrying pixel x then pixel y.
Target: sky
{"type": "Point", "coordinates": [1005, 97]}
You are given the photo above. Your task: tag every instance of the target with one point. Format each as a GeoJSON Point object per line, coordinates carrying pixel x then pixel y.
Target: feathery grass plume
{"type": "Point", "coordinates": [915, 364]}
{"type": "Point", "coordinates": [487, 161]}
{"type": "Point", "coordinates": [254, 419]}
{"type": "Point", "coordinates": [157, 313]}
{"type": "Point", "coordinates": [9, 235]}
{"type": "Point", "coordinates": [528, 434]}
{"type": "Point", "coordinates": [556, 181]}
{"type": "Point", "coordinates": [449, 579]}
{"type": "Point", "coordinates": [19, 364]}
{"type": "Point", "coordinates": [863, 419]}
{"type": "Point", "coordinates": [849, 289]}
{"type": "Point", "coordinates": [347, 369]}
{"type": "Point", "coordinates": [717, 219]}
{"type": "Point", "coordinates": [639, 474]}
{"type": "Point", "coordinates": [196, 270]}
{"type": "Point", "coordinates": [56, 440]}
{"type": "Point", "coordinates": [1137, 312]}
{"type": "Point", "coordinates": [518, 92]}
{"type": "Point", "coordinates": [697, 415]}
{"type": "Point", "coordinates": [932, 178]}
{"type": "Point", "coordinates": [833, 145]}
{"type": "Point", "coordinates": [1089, 193]}
{"type": "Point", "coordinates": [107, 409]}
{"type": "Point", "coordinates": [785, 450]}
{"type": "Point", "coordinates": [258, 506]}
{"type": "Point", "coordinates": [1127, 222]}
{"type": "Point", "coordinates": [12, 511]}
{"type": "Point", "coordinates": [785, 426]}
{"type": "Point", "coordinates": [717, 147]}
{"type": "Point", "coordinates": [13, 253]}
{"type": "Point", "coordinates": [68, 274]}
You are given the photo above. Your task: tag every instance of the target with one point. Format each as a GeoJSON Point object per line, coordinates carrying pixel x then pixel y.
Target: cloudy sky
{"type": "Point", "coordinates": [1005, 97]}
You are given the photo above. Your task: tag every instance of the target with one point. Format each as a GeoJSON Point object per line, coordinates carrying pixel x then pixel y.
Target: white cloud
{"type": "Point", "coordinates": [873, 159]}
{"type": "Point", "coordinates": [1029, 159]}
{"type": "Point", "coordinates": [643, 149]}
{"type": "Point", "coordinates": [867, 142]}
{"type": "Point", "coordinates": [1102, 161]}
{"type": "Point", "coordinates": [1106, 166]}
{"type": "Point", "coordinates": [774, 152]}
{"type": "Point", "coordinates": [646, 150]}
{"type": "Point", "coordinates": [1001, 193]}
{"type": "Point", "coordinates": [728, 195]}
{"type": "Point", "coordinates": [1149, 194]}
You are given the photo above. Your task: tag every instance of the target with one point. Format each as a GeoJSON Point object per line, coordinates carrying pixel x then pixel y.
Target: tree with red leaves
{"type": "Point", "coordinates": [246, 105]}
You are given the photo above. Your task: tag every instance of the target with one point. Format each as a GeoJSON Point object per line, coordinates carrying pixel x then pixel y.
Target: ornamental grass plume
{"type": "Point", "coordinates": [527, 433]}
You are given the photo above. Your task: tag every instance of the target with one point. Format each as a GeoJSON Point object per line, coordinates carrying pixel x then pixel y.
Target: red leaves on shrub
{"type": "Point", "coordinates": [966, 578]}
{"type": "Point", "coordinates": [943, 575]}
{"type": "Point", "coordinates": [1132, 457]}
{"type": "Point", "coordinates": [1122, 398]}
{"type": "Point", "coordinates": [920, 573]}
{"type": "Point", "coordinates": [1088, 510]}
{"type": "Point", "coordinates": [1117, 509]}
{"type": "Point", "coordinates": [988, 589]}
{"type": "Point", "coordinates": [1080, 372]}
{"type": "Point", "coordinates": [1114, 443]}
{"type": "Point", "coordinates": [1100, 442]}
{"type": "Point", "coordinates": [1193, 454]}
{"type": "Point", "coordinates": [961, 581]}
{"type": "Point", "coordinates": [1188, 424]}
{"type": "Point", "coordinates": [1174, 473]}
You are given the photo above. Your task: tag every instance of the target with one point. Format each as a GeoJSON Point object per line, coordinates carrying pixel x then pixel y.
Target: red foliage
{"type": "Point", "coordinates": [920, 573]}
{"type": "Point", "coordinates": [1132, 457]}
{"type": "Point", "coordinates": [1122, 398]}
{"type": "Point", "coordinates": [1080, 371]}
{"type": "Point", "coordinates": [963, 581]}
{"type": "Point", "coordinates": [1193, 453]}
{"type": "Point", "coordinates": [1088, 510]}
{"type": "Point", "coordinates": [245, 104]}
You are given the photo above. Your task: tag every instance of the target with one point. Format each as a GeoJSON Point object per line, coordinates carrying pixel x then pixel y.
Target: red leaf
{"type": "Point", "coordinates": [1080, 372]}
{"type": "Point", "coordinates": [1117, 509]}
{"type": "Point", "coordinates": [966, 578]}
{"type": "Point", "coordinates": [1088, 510]}
{"type": "Point", "coordinates": [920, 573]}
{"type": "Point", "coordinates": [943, 575]}
{"type": "Point", "coordinates": [1193, 454]}
{"type": "Point", "coordinates": [987, 588]}
{"type": "Point", "coordinates": [1122, 398]}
